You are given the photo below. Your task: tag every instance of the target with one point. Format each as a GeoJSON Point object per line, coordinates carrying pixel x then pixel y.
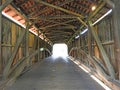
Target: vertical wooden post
{"type": "Point", "coordinates": [116, 19]}
{"type": "Point", "coordinates": [44, 47]}
{"type": "Point", "coordinates": [8, 65]}
{"type": "Point", "coordinates": [103, 53]}
{"type": "Point", "coordinates": [89, 42]}
{"type": "Point", "coordinates": [1, 39]}
{"type": "Point", "coordinates": [78, 47]}
{"type": "Point", "coordinates": [78, 42]}
{"type": "Point", "coordinates": [27, 44]}
{"type": "Point", "coordinates": [2, 6]}
{"type": "Point", "coordinates": [38, 46]}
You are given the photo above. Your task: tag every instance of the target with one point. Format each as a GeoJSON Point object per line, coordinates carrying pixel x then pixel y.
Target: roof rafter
{"type": "Point", "coordinates": [65, 10]}
{"type": "Point", "coordinates": [58, 24]}
{"type": "Point", "coordinates": [91, 15]}
{"type": "Point", "coordinates": [55, 17]}
{"type": "Point", "coordinates": [46, 10]}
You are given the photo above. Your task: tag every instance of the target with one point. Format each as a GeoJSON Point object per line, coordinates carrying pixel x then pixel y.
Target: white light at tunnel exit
{"type": "Point", "coordinates": [60, 50]}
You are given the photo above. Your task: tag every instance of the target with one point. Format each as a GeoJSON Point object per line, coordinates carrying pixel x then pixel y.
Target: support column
{"type": "Point", "coordinates": [1, 65]}
{"type": "Point", "coordinates": [116, 19]}
{"type": "Point", "coordinates": [38, 46]}
{"type": "Point", "coordinates": [27, 44]}
{"type": "Point", "coordinates": [78, 47]}
{"type": "Point", "coordinates": [89, 42]}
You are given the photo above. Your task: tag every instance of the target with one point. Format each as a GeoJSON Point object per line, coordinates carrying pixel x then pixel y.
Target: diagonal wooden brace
{"type": "Point", "coordinates": [102, 51]}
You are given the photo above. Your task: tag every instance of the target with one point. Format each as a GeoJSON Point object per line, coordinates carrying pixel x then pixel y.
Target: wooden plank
{"type": "Point", "coordinates": [46, 10]}
{"type": "Point", "coordinates": [1, 64]}
{"type": "Point", "coordinates": [8, 65]}
{"type": "Point", "coordinates": [5, 4]}
{"type": "Point", "coordinates": [64, 10]}
{"type": "Point", "coordinates": [27, 43]}
{"type": "Point", "coordinates": [89, 42]}
{"type": "Point", "coordinates": [58, 24]}
{"type": "Point", "coordinates": [38, 45]}
{"type": "Point", "coordinates": [90, 16]}
{"type": "Point", "coordinates": [55, 17]}
{"type": "Point", "coordinates": [103, 53]}
{"type": "Point", "coordinates": [52, 21]}
{"type": "Point", "coordinates": [110, 3]}
{"type": "Point", "coordinates": [96, 64]}
{"type": "Point", "coordinates": [116, 20]}
{"type": "Point", "coordinates": [32, 23]}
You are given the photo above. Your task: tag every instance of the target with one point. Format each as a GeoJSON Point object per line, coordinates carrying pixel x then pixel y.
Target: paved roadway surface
{"type": "Point", "coordinates": [55, 74]}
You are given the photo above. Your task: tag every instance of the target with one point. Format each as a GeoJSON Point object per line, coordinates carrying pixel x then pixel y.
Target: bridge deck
{"type": "Point", "coordinates": [55, 74]}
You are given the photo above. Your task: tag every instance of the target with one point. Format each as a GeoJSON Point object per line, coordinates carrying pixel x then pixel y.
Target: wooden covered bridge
{"type": "Point", "coordinates": [30, 28]}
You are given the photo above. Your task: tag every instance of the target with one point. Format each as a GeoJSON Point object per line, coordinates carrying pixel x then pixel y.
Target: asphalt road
{"type": "Point", "coordinates": [55, 74]}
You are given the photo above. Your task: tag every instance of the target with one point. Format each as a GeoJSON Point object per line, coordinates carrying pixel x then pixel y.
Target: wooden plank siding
{"type": "Point", "coordinates": [10, 36]}
{"type": "Point", "coordinates": [105, 32]}
{"type": "Point", "coordinates": [1, 67]}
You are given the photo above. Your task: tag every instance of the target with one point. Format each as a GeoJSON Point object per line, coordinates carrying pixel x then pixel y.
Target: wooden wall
{"type": "Point", "coordinates": [87, 51]}
{"type": "Point", "coordinates": [14, 48]}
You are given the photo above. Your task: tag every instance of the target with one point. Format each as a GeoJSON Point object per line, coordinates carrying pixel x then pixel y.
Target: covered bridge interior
{"type": "Point", "coordinates": [90, 29]}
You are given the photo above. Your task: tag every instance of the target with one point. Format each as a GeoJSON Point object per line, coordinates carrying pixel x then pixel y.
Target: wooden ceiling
{"type": "Point", "coordinates": [60, 20]}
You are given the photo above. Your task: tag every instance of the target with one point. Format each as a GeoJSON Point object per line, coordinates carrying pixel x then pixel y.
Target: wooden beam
{"type": "Point", "coordinates": [89, 42]}
{"type": "Point", "coordinates": [96, 11]}
{"type": "Point", "coordinates": [39, 18]}
{"type": "Point", "coordinates": [62, 27]}
{"type": "Point", "coordinates": [64, 10]}
{"type": "Point", "coordinates": [64, 33]}
{"type": "Point", "coordinates": [77, 31]}
{"type": "Point", "coordinates": [46, 10]}
{"type": "Point", "coordinates": [103, 53]}
{"type": "Point", "coordinates": [21, 63]}
{"type": "Point", "coordinates": [38, 42]}
{"type": "Point", "coordinates": [61, 34]}
{"type": "Point", "coordinates": [61, 9]}
{"type": "Point", "coordinates": [82, 22]}
{"type": "Point", "coordinates": [89, 18]}
{"type": "Point", "coordinates": [27, 42]}
{"type": "Point", "coordinates": [98, 65]}
{"type": "Point", "coordinates": [110, 3]}
{"type": "Point", "coordinates": [58, 24]}
{"type": "Point", "coordinates": [55, 31]}
{"type": "Point", "coordinates": [2, 6]}
{"type": "Point", "coordinates": [7, 2]}
{"type": "Point", "coordinates": [57, 36]}
{"type": "Point", "coordinates": [116, 25]}
{"type": "Point", "coordinates": [33, 23]}
{"type": "Point", "coordinates": [55, 17]}
{"type": "Point", "coordinates": [8, 65]}
{"type": "Point", "coordinates": [1, 63]}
